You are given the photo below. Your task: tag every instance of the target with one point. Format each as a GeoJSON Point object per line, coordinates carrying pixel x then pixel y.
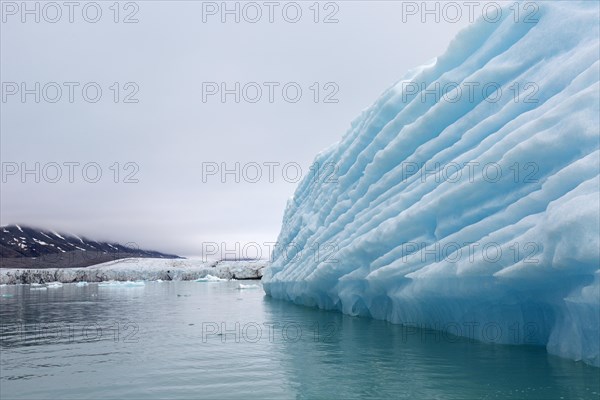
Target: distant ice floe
{"type": "Point", "coordinates": [121, 284]}
{"type": "Point", "coordinates": [211, 278]}
{"type": "Point", "coordinates": [242, 286]}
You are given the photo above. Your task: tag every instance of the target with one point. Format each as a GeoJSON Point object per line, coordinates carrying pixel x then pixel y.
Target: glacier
{"type": "Point", "coordinates": [477, 215]}
{"type": "Point", "coordinates": [139, 269]}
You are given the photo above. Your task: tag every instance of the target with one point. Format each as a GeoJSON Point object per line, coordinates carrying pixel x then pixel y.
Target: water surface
{"type": "Point", "coordinates": [213, 340]}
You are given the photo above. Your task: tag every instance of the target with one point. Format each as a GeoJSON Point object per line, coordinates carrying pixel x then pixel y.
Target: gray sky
{"type": "Point", "coordinates": [170, 132]}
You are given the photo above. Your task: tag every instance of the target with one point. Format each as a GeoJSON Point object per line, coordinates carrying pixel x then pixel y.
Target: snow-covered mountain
{"type": "Point", "coordinates": [22, 246]}
{"type": "Point", "coordinates": [466, 198]}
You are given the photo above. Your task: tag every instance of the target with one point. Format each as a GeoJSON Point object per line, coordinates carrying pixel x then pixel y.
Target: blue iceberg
{"type": "Point", "coordinates": [466, 198]}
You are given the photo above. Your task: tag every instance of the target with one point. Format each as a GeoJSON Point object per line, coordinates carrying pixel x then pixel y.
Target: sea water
{"type": "Point", "coordinates": [228, 340]}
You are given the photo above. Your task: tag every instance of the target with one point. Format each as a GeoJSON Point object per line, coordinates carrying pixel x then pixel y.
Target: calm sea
{"type": "Point", "coordinates": [215, 340]}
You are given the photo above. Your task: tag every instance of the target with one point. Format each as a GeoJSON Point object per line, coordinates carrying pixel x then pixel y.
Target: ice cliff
{"type": "Point", "coordinates": [133, 269]}
{"type": "Point", "coordinates": [466, 198]}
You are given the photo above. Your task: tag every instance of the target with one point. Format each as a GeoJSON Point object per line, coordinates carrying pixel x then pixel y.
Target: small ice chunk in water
{"type": "Point", "coordinates": [119, 284]}
{"type": "Point", "coordinates": [210, 278]}
{"type": "Point", "coordinates": [242, 286]}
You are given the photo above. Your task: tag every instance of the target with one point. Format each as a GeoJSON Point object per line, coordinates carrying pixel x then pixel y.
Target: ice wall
{"type": "Point", "coordinates": [134, 269]}
{"type": "Point", "coordinates": [502, 242]}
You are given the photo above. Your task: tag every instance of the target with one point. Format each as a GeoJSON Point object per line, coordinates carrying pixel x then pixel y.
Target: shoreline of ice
{"type": "Point", "coordinates": [139, 269]}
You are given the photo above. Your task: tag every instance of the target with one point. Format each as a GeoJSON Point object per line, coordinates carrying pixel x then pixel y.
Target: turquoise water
{"type": "Point", "coordinates": [180, 340]}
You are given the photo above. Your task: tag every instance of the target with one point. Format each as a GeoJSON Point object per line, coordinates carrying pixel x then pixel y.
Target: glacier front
{"type": "Point", "coordinates": [466, 198]}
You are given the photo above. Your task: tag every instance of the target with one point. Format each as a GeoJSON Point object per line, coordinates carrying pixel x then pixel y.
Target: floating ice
{"type": "Point", "coordinates": [121, 284]}
{"type": "Point", "coordinates": [54, 285]}
{"type": "Point", "coordinates": [474, 212]}
{"type": "Point", "coordinates": [83, 283]}
{"type": "Point", "coordinates": [210, 278]}
{"type": "Point", "coordinates": [242, 286]}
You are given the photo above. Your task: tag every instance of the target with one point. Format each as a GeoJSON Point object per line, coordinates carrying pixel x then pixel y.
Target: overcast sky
{"type": "Point", "coordinates": [168, 61]}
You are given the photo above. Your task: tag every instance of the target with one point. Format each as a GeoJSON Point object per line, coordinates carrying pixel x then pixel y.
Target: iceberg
{"type": "Point", "coordinates": [121, 284]}
{"type": "Point", "coordinates": [241, 286]}
{"type": "Point", "coordinates": [210, 278]}
{"type": "Point", "coordinates": [466, 198]}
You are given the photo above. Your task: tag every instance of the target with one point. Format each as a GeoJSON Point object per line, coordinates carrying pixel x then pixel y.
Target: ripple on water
{"type": "Point", "coordinates": [148, 342]}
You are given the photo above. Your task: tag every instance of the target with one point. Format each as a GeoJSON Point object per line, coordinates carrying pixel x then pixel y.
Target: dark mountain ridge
{"type": "Point", "coordinates": [27, 247]}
